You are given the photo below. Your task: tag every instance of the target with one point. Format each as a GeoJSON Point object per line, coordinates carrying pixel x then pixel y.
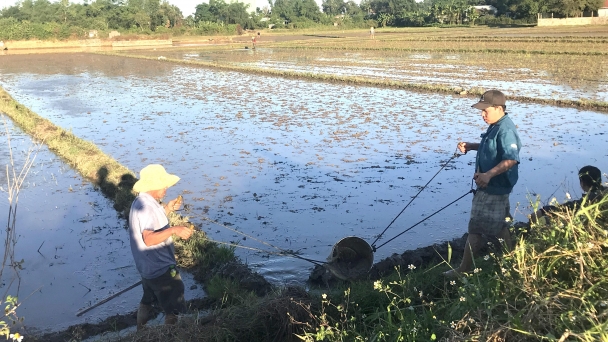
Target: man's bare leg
{"type": "Point", "coordinates": [143, 315]}
{"type": "Point", "coordinates": [470, 250]}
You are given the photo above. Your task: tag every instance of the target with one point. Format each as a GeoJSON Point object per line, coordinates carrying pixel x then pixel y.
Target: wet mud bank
{"type": "Point", "coordinates": [287, 297]}
{"type": "Point", "coordinates": [448, 252]}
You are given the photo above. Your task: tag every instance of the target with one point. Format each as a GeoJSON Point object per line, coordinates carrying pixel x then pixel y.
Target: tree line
{"type": "Point", "coordinates": [62, 19]}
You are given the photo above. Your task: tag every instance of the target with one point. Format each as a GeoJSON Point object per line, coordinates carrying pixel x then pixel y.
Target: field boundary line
{"type": "Point", "coordinates": [357, 80]}
{"type": "Point", "coordinates": [443, 50]}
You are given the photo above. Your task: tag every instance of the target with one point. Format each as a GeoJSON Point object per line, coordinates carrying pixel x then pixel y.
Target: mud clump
{"type": "Point", "coordinates": [243, 275]}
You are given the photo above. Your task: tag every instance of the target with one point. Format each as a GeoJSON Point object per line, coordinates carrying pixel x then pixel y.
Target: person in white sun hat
{"type": "Point", "coordinates": [152, 245]}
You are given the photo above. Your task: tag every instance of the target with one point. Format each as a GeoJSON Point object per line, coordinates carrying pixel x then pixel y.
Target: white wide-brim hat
{"type": "Point", "coordinates": [154, 177]}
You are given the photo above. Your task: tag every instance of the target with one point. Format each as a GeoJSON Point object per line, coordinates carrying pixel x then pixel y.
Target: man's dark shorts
{"type": "Point", "coordinates": [167, 290]}
{"type": "Point", "coordinates": [489, 213]}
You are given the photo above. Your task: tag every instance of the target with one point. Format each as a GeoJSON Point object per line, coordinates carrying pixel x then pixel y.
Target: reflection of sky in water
{"type": "Point", "coordinates": [303, 164]}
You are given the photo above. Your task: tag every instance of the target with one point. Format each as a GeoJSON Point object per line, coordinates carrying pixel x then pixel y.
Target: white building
{"type": "Point", "coordinates": [486, 9]}
{"type": "Point", "coordinates": [603, 11]}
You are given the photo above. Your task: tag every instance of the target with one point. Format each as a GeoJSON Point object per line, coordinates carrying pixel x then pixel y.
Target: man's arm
{"type": "Point", "coordinates": [482, 179]}
{"type": "Point", "coordinates": [152, 238]}
{"type": "Point", "coordinates": [465, 147]}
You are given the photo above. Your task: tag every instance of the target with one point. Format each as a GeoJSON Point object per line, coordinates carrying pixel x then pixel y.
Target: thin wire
{"type": "Point", "coordinates": [426, 218]}
{"type": "Point", "coordinates": [283, 251]}
{"type": "Point", "coordinates": [413, 198]}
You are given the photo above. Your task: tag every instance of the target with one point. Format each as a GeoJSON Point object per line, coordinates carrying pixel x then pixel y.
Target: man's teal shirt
{"type": "Point", "coordinates": [500, 142]}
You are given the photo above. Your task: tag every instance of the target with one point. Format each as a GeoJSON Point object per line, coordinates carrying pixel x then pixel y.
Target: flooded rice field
{"type": "Point", "coordinates": [297, 164]}
{"type": "Point", "coordinates": [75, 250]}
{"type": "Point", "coordinates": [540, 76]}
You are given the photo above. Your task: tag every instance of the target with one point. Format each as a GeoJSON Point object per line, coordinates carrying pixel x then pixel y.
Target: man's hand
{"type": "Point", "coordinates": [174, 204]}
{"type": "Point", "coordinates": [462, 147]}
{"type": "Point", "coordinates": [465, 147]}
{"type": "Point", "coordinates": [182, 232]}
{"type": "Point", "coordinates": [482, 179]}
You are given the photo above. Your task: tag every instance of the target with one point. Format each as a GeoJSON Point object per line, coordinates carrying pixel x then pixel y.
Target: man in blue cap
{"type": "Point", "coordinates": [495, 174]}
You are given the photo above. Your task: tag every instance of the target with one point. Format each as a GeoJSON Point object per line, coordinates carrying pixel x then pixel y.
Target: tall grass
{"type": "Point", "coordinates": [552, 286]}
{"type": "Point", "coordinates": [15, 177]}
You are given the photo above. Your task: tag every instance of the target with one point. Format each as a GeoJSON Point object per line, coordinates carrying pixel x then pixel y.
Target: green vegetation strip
{"type": "Point", "coordinates": [476, 91]}
{"type": "Point", "coordinates": [448, 50]}
{"type": "Point", "coordinates": [535, 39]}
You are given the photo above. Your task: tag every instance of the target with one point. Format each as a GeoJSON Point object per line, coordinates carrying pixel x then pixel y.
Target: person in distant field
{"type": "Point", "coordinates": [372, 33]}
{"type": "Point", "coordinates": [152, 245]}
{"type": "Point", "coordinates": [590, 179]}
{"type": "Point", "coordinates": [254, 41]}
{"type": "Point", "coordinates": [496, 172]}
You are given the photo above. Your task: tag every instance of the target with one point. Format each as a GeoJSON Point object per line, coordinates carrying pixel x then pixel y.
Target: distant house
{"type": "Point", "coordinates": [93, 34]}
{"type": "Point", "coordinates": [114, 34]}
{"type": "Point", "coordinates": [486, 9]}
{"type": "Point", "coordinates": [603, 11]}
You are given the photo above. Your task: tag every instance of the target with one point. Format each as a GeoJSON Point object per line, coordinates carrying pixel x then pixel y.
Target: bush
{"type": "Point", "coordinates": [502, 20]}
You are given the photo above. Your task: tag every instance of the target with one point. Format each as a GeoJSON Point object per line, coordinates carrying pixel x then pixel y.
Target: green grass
{"type": "Point", "coordinates": [552, 287]}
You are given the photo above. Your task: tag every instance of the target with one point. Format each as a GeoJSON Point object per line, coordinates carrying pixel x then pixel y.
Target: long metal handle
{"type": "Point", "coordinates": [103, 301]}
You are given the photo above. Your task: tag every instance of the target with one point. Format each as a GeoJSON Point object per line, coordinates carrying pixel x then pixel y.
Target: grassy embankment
{"type": "Point", "coordinates": [116, 181]}
{"type": "Point", "coordinates": [551, 287]}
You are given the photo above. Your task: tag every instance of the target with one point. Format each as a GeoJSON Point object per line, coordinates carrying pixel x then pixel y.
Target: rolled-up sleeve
{"type": "Point", "coordinates": [509, 145]}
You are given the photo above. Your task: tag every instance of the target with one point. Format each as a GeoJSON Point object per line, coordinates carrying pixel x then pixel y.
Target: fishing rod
{"type": "Point", "coordinates": [373, 244]}
{"type": "Point", "coordinates": [107, 299]}
{"type": "Point", "coordinates": [284, 252]}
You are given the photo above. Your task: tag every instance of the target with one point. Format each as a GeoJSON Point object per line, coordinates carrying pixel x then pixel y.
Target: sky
{"type": "Point", "coordinates": [187, 6]}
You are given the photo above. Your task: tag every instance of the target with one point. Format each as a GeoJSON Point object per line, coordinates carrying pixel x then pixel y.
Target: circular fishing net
{"type": "Point", "coordinates": [351, 258]}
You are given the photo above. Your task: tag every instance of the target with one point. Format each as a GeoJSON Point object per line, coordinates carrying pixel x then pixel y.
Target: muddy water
{"type": "Point", "coordinates": [540, 76]}
{"type": "Point", "coordinates": [75, 249]}
{"type": "Point", "coordinates": [297, 164]}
